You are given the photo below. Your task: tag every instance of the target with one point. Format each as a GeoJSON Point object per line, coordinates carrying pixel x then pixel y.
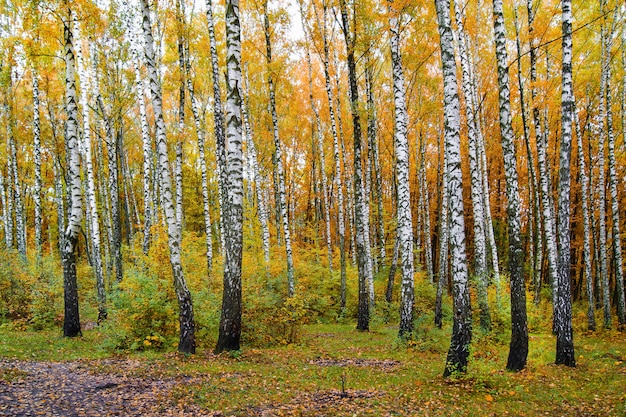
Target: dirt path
{"type": "Point", "coordinates": [73, 389]}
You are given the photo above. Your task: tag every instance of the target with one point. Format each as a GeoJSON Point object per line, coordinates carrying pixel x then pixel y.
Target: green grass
{"type": "Point", "coordinates": [382, 376]}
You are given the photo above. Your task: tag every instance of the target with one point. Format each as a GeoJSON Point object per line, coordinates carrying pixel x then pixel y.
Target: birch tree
{"type": "Point", "coordinates": [364, 263]}
{"type": "Point", "coordinates": [71, 317]}
{"type": "Point", "coordinates": [87, 157]}
{"type": "Point", "coordinates": [456, 360]}
{"type": "Point", "coordinates": [278, 155]}
{"type": "Point", "coordinates": [37, 160]}
{"type": "Point", "coordinates": [404, 215]}
{"type": "Point", "coordinates": [186, 342]}
{"type": "Point", "coordinates": [230, 320]}
{"type": "Point", "coordinates": [541, 138]}
{"type": "Point", "coordinates": [480, 240]}
{"type": "Point", "coordinates": [563, 308]}
{"type": "Point", "coordinates": [518, 349]}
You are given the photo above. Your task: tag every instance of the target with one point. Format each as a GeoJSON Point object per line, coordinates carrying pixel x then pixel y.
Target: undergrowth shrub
{"type": "Point", "coordinates": [31, 291]}
{"type": "Point", "coordinates": [143, 312]}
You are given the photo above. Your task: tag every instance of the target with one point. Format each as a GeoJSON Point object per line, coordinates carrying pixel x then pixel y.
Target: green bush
{"type": "Point", "coordinates": [143, 312]}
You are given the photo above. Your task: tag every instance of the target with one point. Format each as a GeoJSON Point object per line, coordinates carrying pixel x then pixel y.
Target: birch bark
{"type": "Point", "coordinates": [230, 321]}
{"type": "Point", "coordinates": [563, 310]}
{"type": "Point", "coordinates": [186, 321]}
{"type": "Point", "coordinates": [518, 349]}
{"type": "Point", "coordinates": [404, 215]}
{"type": "Point", "coordinates": [458, 353]}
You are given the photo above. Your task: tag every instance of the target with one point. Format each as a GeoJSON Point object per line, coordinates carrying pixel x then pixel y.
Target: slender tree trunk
{"type": "Point", "coordinates": [584, 190]}
{"type": "Point", "coordinates": [116, 244]}
{"type": "Point", "coordinates": [367, 156]}
{"type": "Point", "coordinates": [615, 207]}
{"type": "Point", "coordinates": [178, 162]}
{"type": "Point", "coordinates": [87, 157]}
{"type": "Point", "coordinates": [458, 353]}
{"type": "Point", "coordinates": [337, 160]}
{"type": "Point", "coordinates": [37, 160]}
{"type": "Point", "coordinates": [71, 321]}
{"type": "Point", "coordinates": [278, 157]}
{"type": "Point", "coordinates": [361, 218]}
{"type": "Point", "coordinates": [261, 205]}
{"type": "Point", "coordinates": [534, 228]}
{"type": "Point", "coordinates": [564, 333]}
{"type": "Point", "coordinates": [480, 247]}
{"type": "Point", "coordinates": [424, 209]}
{"type": "Point", "coordinates": [601, 199]}
{"type": "Point", "coordinates": [518, 349]}
{"type": "Point", "coordinates": [230, 321]}
{"type": "Point", "coordinates": [146, 140]}
{"type": "Point", "coordinates": [20, 221]}
{"type": "Point", "coordinates": [444, 237]}
{"type": "Point", "coordinates": [203, 167]}
{"type": "Point", "coordinates": [320, 145]}
{"type": "Point", "coordinates": [187, 326]}
{"type": "Point", "coordinates": [544, 167]}
{"type": "Point", "coordinates": [404, 215]}
{"type": "Point", "coordinates": [218, 122]}
{"type": "Point", "coordinates": [5, 215]}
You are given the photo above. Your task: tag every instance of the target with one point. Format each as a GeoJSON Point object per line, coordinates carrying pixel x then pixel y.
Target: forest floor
{"type": "Point", "coordinates": [333, 371]}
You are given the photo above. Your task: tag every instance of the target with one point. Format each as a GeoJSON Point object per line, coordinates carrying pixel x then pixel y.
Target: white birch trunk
{"type": "Point", "coordinates": [518, 349]}
{"type": "Point", "coordinates": [364, 261]}
{"type": "Point", "coordinates": [458, 353]}
{"type": "Point", "coordinates": [480, 249]}
{"type": "Point", "coordinates": [203, 169]}
{"type": "Point", "coordinates": [6, 219]}
{"type": "Point", "coordinates": [187, 326]}
{"type": "Point", "coordinates": [230, 321]}
{"type": "Point", "coordinates": [405, 219]}
{"type": "Point", "coordinates": [87, 157]}
{"type": "Point", "coordinates": [71, 322]}
{"type": "Point", "coordinates": [20, 223]}
{"type": "Point", "coordinates": [615, 206]}
{"type": "Point", "coordinates": [278, 159]}
{"type": "Point", "coordinates": [320, 145]}
{"type": "Point", "coordinates": [584, 190]}
{"type": "Point", "coordinates": [37, 160]}
{"type": "Point", "coordinates": [601, 199]}
{"type": "Point", "coordinates": [563, 310]}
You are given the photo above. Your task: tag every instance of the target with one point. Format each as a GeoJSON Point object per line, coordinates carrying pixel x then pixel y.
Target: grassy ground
{"type": "Point", "coordinates": [336, 370]}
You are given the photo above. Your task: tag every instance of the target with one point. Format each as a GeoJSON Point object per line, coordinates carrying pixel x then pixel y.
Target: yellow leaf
{"type": "Point", "coordinates": [488, 397]}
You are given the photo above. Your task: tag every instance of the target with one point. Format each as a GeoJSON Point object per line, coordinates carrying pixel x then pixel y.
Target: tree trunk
{"type": "Point", "coordinates": [518, 349]}
{"type": "Point", "coordinates": [203, 167]}
{"type": "Point", "coordinates": [336, 159]}
{"type": "Point", "coordinates": [37, 160]}
{"type": "Point", "coordinates": [320, 145]}
{"type": "Point", "coordinates": [71, 318]}
{"type": "Point", "coordinates": [361, 210]}
{"type": "Point", "coordinates": [404, 214]}
{"type": "Point", "coordinates": [187, 326]}
{"type": "Point", "coordinates": [278, 157]}
{"type": "Point", "coordinates": [601, 198]}
{"type": "Point", "coordinates": [458, 353]}
{"type": "Point", "coordinates": [8, 232]}
{"type": "Point", "coordinates": [14, 176]}
{"type": "Point", "coordinates": [615, 209]}
{"type": "Point", "coordinates": [480, 241]}
{"type": "Point", "coordinates": [584, 190]}
{"type": "Point", "coordinates": [87, 157]}
{"type": "Point", "coordinates": [218, 122]}
{"type": "Point", "coordinates": [261, 206]}
{"type": "Point", "coordinates": [563, 310]}
{"type": "Point", "coordinates": [230, 321]}
{"type": "Point", "coordinates": [444, 237]}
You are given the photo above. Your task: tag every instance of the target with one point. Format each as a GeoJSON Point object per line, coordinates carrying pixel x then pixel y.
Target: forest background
{"type": "Point", "coordinates": [324, 221]}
